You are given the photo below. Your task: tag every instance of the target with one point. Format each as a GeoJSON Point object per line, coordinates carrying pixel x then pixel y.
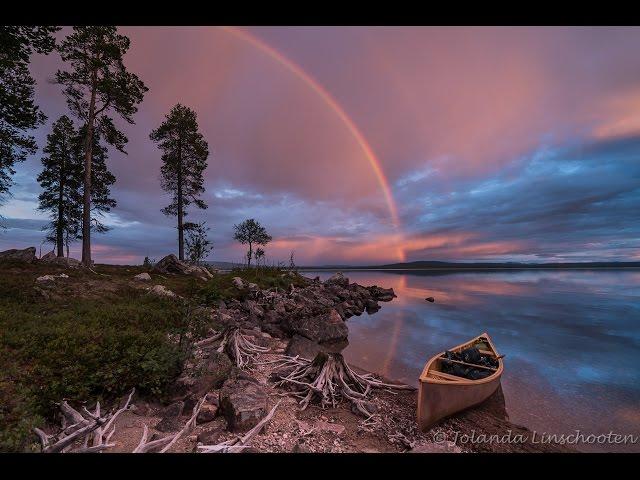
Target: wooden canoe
{"type": "Point", "coordinates": [441, 395]}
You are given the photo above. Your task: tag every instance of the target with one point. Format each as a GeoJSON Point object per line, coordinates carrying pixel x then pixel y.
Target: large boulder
{"type": "Point", "coordinates": [305, 348]}
{"type": "Point", "coordinates": [213, 372]}
{"type": "Point", "coordinates": [142, 277]}
{"type": "Point", "coordinates": [171, 264]}
{"type": "Point", "coordinates": [326, 327]}
{"type": "Point", "coordinates": [49, 257]}
{"type": "Point", "coordinates": [244, 402]}
{"type": "Point", "coordinates": [382, 294]}
{"type": "Point", "coordinates": [52, 259]}
{"type": "Point", "coordinates": [28, 255]}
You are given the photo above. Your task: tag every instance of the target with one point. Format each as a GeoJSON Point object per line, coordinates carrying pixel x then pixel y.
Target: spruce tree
{"type": "Point", "coordinates": [184, 159]}
{"type": "Point", "coordinates": [96, 85]}
{"type": "Point", "coordinates": [61, 181]}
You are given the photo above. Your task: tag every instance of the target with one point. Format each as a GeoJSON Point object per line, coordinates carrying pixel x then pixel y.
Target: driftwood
{"type": "Point", "coordinates": [328, 378]}
{"type": "Point", "coordinates": [240, 443]}
{"type": "Point", "coordinates": [162, 445]}
{"type": "Point", "coordinates": [94, 429]}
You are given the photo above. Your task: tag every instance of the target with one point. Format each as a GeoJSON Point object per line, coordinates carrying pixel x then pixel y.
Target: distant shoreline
{"type": "Point", "coordinates": [450, 269]}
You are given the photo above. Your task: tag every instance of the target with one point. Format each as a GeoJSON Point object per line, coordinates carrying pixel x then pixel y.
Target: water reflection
{"type": "Point", "coordinates": [571, 338]}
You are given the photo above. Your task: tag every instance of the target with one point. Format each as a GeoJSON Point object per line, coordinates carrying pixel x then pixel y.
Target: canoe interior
{"type": "Point", "coordinates": [433, 369]}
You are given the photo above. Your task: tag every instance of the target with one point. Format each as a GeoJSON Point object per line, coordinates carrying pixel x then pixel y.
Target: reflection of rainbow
{"type": "Point", "coordinates": [335, 106]}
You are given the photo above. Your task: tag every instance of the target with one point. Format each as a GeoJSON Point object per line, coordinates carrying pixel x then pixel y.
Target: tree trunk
{"type": "Point", "coordinates": [180, 209]}
{"type": "Point", "coordinates": [249, 255]}
{"type": "Point", "coordinates": [86, 207]}
{"type": "Point", "coordinates": [60, 229]}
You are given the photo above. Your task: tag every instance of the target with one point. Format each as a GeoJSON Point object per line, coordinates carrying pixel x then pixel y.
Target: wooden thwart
{"type": "Point", "coordinates": [468, 364]}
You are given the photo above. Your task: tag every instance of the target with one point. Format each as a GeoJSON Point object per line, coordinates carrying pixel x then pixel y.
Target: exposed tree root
{"type": "Point", "coordinates": [240, 347]}
{"type": "Point", "coordinates": [240, 443]}
{"type": "Point", "coordinates": [95, 429]}
{"type": "Point", "coordinates": [328, 378]}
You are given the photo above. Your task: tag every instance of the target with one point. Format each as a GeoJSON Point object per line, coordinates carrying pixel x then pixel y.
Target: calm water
{"type": "Point", "coordinates": [571, 339]}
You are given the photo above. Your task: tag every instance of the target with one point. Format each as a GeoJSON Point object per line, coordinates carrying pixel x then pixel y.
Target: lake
{"type": "Point", "coordinates": [571, 339]}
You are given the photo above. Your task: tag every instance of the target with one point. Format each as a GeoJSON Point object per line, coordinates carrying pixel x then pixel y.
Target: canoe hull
{"type": "Point", "coordinates": [437, 401]}
{"type": "Point", "coordinates": [440, 396]}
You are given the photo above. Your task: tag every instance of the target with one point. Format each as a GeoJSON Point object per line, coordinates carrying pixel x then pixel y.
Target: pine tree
{"type": "Point", "coordinates": [184, 159]}
{"type": "Point", "coordinates": [101, 181]}
{"type": "Point", "coordinates": [18, 112]}
{"type": "Point", "coordinates": [61, 181]}
{"type": "Point", "coordinates": [96, 84]}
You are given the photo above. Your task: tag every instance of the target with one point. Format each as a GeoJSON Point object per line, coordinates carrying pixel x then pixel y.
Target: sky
{"type": "Point", "coordinates": [371, 145]}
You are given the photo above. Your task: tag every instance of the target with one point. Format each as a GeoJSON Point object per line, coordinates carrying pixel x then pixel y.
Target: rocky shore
{"type": "Point", "coordinates": [237, 391]}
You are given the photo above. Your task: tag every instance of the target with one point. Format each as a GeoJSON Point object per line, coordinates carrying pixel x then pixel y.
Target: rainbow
{"type": "Point", "coordinates": [339, 111]}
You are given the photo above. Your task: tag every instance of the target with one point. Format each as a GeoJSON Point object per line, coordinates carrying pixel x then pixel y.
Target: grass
{"type": "Point", "coordinates": [221, 287]}
{"type": "Point", "coordinates": [97, 336]}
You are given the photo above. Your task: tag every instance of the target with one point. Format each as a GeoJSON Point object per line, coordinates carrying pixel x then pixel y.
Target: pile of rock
{"type": "Point", "coordinates": [316, 312]}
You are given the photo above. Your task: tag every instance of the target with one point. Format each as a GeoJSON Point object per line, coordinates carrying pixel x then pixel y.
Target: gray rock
{"type": "Point", "coordinates": [161, 291]}
{"type": "Point", "coordinates": [302, 346]}
{"type": "Point", "coordinates": [207, 413]}
{"type": "Point", "coordinates": [175, 409]}
{"type": "Point", "coordinates": [50, 278]}
{"type": "Point", "coordinates": [169, 424]}
{"type": "Point", "coordinates": [338, 279]}
{"type": "Point", "coordinates": [143, 277]}
{"type": "Point", "coordinates": [372, 306]}
{"type": "Point", "coordinates": [327, 327]}
{"type": "Point", "coordinates": [27, 255]}
{"type": "Point", "coordinates": [237, 282]}
{"type": "Point", "coordinates": [213, 431]}
{"type": "Point", "coordinates": [382, 294]}
{"type": "Point", "coordinates": [215, 370]}
{"type": "Point", "coordinates": [244, 403]}
{"type": "Point", "coordinates": [171, 264]}
{"type": "Point", "coordinates": [49, 257]}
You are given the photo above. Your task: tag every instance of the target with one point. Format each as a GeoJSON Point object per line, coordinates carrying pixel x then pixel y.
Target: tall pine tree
{"type": "Point", "coordinates": [61, 182]}
{"type": "Point", "coordinates": [96, 85]}
{"type": "Point", "coordinates": [184, 159]}
{"type": "Point", "coordinates": [101, 181]}
{"type": "Point", "coordinates": [18, 112]}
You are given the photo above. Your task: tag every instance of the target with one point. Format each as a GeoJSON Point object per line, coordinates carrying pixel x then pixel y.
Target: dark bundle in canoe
{"type": "Point", "coordinates": [473, 366]}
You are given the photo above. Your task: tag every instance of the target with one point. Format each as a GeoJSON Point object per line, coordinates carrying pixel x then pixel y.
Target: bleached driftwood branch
{"type": "Point", "coordinates": [95, 429]}
{"type": "Point", "coordinates": [240, 443]}
{"type": "Point", "coordinates": [162, 445]}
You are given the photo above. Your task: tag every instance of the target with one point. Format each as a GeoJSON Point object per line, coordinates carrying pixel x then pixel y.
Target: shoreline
{"type": "Point", "coordinates": [286, 314]}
